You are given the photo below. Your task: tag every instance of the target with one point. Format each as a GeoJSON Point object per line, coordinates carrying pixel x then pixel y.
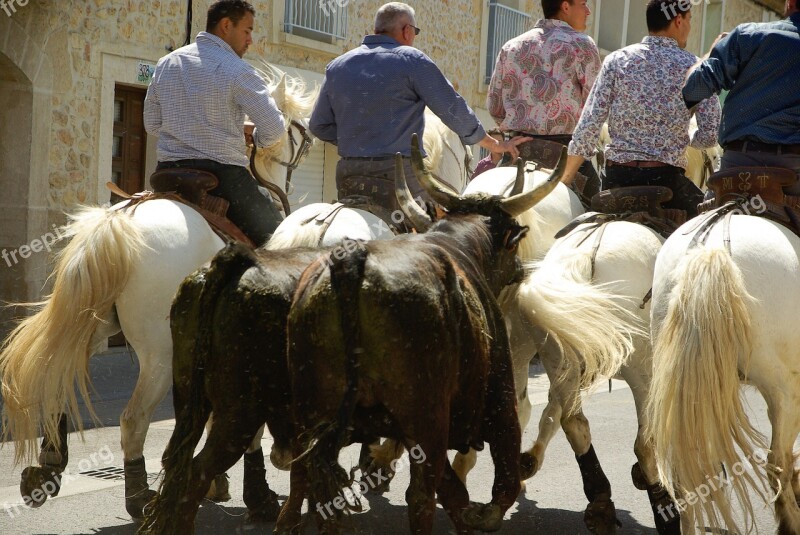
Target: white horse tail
{"type": "Point", "coordinates": [697, 421]}
{"type": "Point", "coordinates": [48, 353]}
{"type": "Point", "coordinates": [592, 327]}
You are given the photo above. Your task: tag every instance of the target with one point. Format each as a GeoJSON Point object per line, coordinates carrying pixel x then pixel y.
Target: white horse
{"type": "Point", "coordinates": [312, 225]}
{"type": "Point", "coordinates": [724, 312]}
{"type": "Point", "coordinates": [118, 272]}
{"type": "Point", "coordinates": [618, 258]}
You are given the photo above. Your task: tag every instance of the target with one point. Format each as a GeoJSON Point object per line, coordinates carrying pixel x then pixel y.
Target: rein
{"type": "Point", "coordinates": [299, 152]}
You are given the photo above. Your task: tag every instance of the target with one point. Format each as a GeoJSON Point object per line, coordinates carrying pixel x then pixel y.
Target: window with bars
{"type": "Point", "coordinates": [321, 20]}
{"type": "Point", "coordinates": [506, 21]}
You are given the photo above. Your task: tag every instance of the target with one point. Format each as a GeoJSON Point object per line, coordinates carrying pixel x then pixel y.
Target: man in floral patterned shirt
{"type": "Point", "coordinates": [542, 78]}
{"type": "Point", "coordinates": [638, 92]}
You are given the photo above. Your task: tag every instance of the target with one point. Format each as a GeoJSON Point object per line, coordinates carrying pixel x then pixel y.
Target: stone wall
{"type": "Point", "coordinates": [76, 33]}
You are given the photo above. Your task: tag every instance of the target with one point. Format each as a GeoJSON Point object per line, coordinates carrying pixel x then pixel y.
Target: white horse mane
{"type": "Point", "coordinates": [293, 98]}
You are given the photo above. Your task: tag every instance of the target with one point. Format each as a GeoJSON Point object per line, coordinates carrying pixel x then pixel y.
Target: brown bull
{"type": "Point", "coordinates": [404, 339]}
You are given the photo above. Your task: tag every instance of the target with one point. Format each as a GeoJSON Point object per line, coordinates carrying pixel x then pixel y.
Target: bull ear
{"type": "Point", "coordinates": [517, 204]}
{"type": "Point", "coordinates": [437, 192]}
{"type": "Point", "coordinates": [408, 205]}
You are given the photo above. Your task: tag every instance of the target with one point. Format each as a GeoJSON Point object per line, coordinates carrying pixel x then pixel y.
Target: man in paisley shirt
{"type": "Point", "coordinates": [542, 78]}
{"type": "Point", "coordinates": [638, 92]}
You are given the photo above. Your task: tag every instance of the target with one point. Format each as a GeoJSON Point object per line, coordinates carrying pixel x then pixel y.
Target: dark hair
{"type": "Point", "coordinates": [661, 12]}
{"type": "Point", "coordinates": [233, 9]}
{"type": "Point", "coordinates": [550, 8]}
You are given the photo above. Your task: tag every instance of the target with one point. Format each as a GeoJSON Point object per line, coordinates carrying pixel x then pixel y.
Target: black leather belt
{"type": "Point", "coordinates": [745, 145]}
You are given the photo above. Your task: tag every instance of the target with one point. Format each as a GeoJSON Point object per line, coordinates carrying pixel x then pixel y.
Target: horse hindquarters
{"type": "Point", "coordinates": [701, 338]}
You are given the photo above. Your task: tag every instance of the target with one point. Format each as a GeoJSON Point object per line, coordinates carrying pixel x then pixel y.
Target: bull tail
{"type": "Point", "coordinates": [593, 327]}
{"type": "Point", "coordinates": [47, 354]}
{"type": "Point", "coordinates": [327, 475]}
{"type": "Point", "coordinates": [192, 325]}
{"type": "Point", "coordinates": [697, 421]}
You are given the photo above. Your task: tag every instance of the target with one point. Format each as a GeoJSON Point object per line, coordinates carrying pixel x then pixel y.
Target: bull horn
{"type": "Point", "coordinates": [517, 204]}
{"type": "Point", "coordinates": [416, 215]}
{"type": "Point", "coordinates": [437, 192]}
{"type": "Point", "coordinates": [519, 182]}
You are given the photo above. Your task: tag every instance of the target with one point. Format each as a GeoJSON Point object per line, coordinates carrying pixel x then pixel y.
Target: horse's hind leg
{"type": "Point", "coordinates": [531, 460]}
{"type": "Point", "coordinates": [785, 427]}
{"type": "Point", "coordinates": [600, 516]}
{"type": "Point", "coordinates": [645, 473]}
{"type": "Point", "coordinates": [219, 489]}
{"type": "Point", "coordinates": [40, 482]}
{"type": "Point", "coordinates": [37, 483]}
{"type": "Point", "coordinates": [155, 377]}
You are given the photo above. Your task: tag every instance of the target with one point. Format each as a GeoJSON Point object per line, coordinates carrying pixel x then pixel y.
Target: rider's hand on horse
{"type": "Point", "coordinates": [248, 133]}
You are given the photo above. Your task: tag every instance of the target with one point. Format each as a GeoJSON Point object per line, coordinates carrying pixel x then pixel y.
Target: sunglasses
{"type": "Point", "coordinates": [416, 30]}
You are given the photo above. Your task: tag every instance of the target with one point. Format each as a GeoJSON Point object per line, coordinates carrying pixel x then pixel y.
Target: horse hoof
{"type": "Point", "coordinates": [637, 475]}
{"type": "Point", "coordinates": [483, 517]}
{"type": "Point", "coordinates": [528, 465]}
{"type": "Point", "coordinates": [38, 483]}
{"type": "Point", "coordinates": [218, 492]}
{"type": "Point", "coordinates": [267, 510]}
{"type": "Point", "coordinates": [601, 517]}
{"type": "Point", "coordinates": [136, 506]}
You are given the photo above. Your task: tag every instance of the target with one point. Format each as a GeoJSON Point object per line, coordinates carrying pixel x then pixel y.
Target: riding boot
{"type": "Point", "coordinates": [600, 516]}
{"type": "Point", "coordinates": [261, 501]}
{"type": "Point", "coordinates": [137, 491]}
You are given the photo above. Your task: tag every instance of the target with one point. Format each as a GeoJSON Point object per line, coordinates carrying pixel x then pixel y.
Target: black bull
{"type": "Point", "coordinates": [230, 339]}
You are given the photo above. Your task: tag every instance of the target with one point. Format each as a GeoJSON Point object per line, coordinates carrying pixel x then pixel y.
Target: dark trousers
{"type": "Point", "coordinates": [350, 175]}
{"type": "Point", "coordinates": [685, 195]}
{"type": "Point", "coordinates": [253, 212]}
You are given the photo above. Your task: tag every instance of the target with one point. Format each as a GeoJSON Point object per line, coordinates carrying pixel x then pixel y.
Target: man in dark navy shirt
{"type": "Point", "coordinates": [759, 63]}
{"type": "Point", "coordinates": [374, 97]}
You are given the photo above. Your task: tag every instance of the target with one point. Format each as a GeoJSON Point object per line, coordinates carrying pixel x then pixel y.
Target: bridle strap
{"type": "Point", "coordinates": [299, 152]}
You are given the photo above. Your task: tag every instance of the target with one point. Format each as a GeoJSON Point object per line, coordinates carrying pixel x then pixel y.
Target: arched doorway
{"type": "Point", "coordinates": [16, 117]}
{"type": "Point", "coordinates": [26, 89]}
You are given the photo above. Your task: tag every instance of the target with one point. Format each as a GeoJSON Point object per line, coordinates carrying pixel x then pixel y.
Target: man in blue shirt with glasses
{"type": "Point", "coordinates": [374, 97]}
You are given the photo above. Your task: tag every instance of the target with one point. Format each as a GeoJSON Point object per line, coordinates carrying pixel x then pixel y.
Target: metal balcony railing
{"type": "Point", "coordinates": [322, 20]}
{"type": "Point", "coordinates": [504, 24]}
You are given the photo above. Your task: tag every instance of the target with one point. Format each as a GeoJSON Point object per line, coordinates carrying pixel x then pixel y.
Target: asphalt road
{"type": "Point", "coordinates": [92, 502]}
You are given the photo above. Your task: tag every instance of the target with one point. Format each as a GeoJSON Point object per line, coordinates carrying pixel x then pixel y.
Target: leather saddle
{"type": "Point", "coordinates": [192, 187]}
{"type": "Point", "coordinates": [641, 204]}
{"type": "Point", "coordinates": [759, 191]}
{"type": "Point", "coordinates": [375, 195]}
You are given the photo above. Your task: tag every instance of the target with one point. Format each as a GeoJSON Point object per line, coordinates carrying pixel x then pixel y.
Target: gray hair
{"type": "Point", "coordinates": [390, 16]}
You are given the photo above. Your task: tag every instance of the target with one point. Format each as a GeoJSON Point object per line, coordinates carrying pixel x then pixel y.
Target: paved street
{"type": "Point", "coordinates": [552, 503]}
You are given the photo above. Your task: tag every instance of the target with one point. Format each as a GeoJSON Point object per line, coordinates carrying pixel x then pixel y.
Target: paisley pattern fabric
{"type": "Point", "coordinates": [638, 92]}
{"type": "Point", "coordinates": [542, 78]}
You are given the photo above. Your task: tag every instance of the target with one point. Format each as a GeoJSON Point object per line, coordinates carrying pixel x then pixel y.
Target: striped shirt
{"type": "Point", "coordinates": [197, 101]}
{"type": "Point", "coordinates": [542, 78]}
{"type": "Point", "coordinates": [638, 92]}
